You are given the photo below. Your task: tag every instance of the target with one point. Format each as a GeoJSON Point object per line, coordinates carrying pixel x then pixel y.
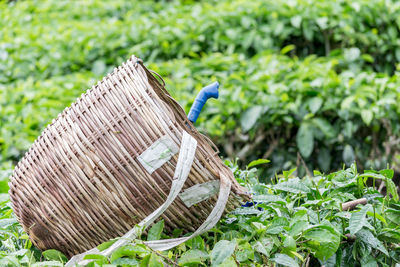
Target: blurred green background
{"type": "Point", "coordinates": [301, 80]}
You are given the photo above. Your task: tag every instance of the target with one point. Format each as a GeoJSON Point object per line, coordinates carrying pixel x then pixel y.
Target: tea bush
{"type": "Point", "coordinates": [309, 84]}
{"type": "Point", "coordinates": [274, 106]}
{"type": "Point", "coordinates": [332, 110]}
{"type": "Point", "coordinates": [270, 106]}
{"type": "Point", "coordinates": [51, 38]}
{"type": "Point", "coordinates": [292, 222]}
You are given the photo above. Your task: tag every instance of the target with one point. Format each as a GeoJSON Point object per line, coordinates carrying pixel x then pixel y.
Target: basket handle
{"type": "Point", "coordinates": [185, 160]}
{"type": "Point", "coordinates": [212, 219]}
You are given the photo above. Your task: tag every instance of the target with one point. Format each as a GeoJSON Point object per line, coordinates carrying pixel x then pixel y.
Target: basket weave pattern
{"type": "Point", "coordinates": [81, 183]}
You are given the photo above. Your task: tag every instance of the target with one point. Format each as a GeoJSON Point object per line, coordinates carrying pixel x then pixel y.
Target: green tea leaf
{"type": "Point", "coordinates": [47, 264]}
{"type": "Point", "coordinates": [244, 251]}
{"type": "Point", "coordinates": [287, 49]}
{"type": "Point", "coordinates": [284, 260]}
{"type": "Point", "coordinates": [250, 117]}
{"type": "Point", "coordinates": [268, 198]}
{"type": "Point", "coordinates": [106, 245]}
{"type": "Point", "coordinates": [193, 256]}
{"type": "Point", "coordinates": [370, 240]}
{"type": "Point", "coordinates": [221, 251]}
{"type": "Point", "coordinates": [367, 116]}
{"type": "Point", "coordinates": [305, 140]}
{"type": "Point", "coordinates": [97, 258]}
{"type": "Point", "coordinates": [296, 21]}
{"type": "Point", "coordinates": [257, 162]}
{"type": "Point", "coordinates": [155, 231]}
{"type": "Point", "coordinates": [129, 251]}
{"type": "Point", "coordinates": [125, 261]}
{"type": "Point", "coordinates": [229, 262]}
{"type": "Point", "coordinates": [54, 255]}
{"type": "Point", "coordinates": [377, 216]}
{"type": "Point", "coordinates": [293, 186]}
{"type": "Point", "coordinates": [368, 261]}
{"type": "Point", "coordinates": [358, 219]}
{"type": "Point", "coordinates": [155, 261]}
{"type": "Point", "coordinates": [348, 155]}
{"type": "Point", "coordinates": [315, 104]}
{"type": "Point", "coordinates": [260, 248]}
{"type": "Point", "coordinates": [388, 173]}
{"type": "Point", "coordinates": [391, 188]}
{"type": "Point", "coordinates": [196, 243]}
{"type": "Point", "coordinates": [324, 241]}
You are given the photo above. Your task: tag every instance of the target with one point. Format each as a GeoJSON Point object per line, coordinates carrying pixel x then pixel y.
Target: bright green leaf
{"type": "Point", "coordinates": [193, 256]}
{"type": "Point", "coordinates": [54, 255]}
{"type": "Point", "coordinates": [284, 260]}
{"type": "Point", "coordinates": [358, 219]}
{"type": "Point", "coordinates": [221, 251]}
{"type": "Point", "coordinates": [155, 231]}
{"type": "Point", "coordinates": [305, 140]}
{"type": "Point", "coordinates": [257, 162]}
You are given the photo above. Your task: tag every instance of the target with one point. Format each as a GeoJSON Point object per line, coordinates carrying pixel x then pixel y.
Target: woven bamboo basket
{"type": "Point", "coordinates": [122, 154]}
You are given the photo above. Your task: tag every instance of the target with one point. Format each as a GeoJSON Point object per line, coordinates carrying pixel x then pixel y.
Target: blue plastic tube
{"type": "Point", "coordinates": [201, 98]}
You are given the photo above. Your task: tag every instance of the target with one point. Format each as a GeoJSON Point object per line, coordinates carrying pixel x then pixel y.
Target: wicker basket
{"type": "Point", "coordinates": [123, 154]}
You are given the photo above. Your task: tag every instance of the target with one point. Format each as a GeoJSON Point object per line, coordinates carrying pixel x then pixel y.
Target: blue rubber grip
{"type": "Point", "coordinates": [201, 98]}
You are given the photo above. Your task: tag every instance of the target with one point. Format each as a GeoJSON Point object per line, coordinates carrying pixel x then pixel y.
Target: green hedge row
{"type": "Point", "coordinates": [27, 106]}
{"type": "Point", "coordinates": [43, 39]}
{"type": "Point", "coordinates": [274, 106]}
{"type": "Point", "coordinates": [271, 105]}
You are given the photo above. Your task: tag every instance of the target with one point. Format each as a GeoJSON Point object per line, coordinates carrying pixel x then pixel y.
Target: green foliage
{"type": "Point", "coordinates": [310, 108]}
{"type": "Point", "coordinates": [332, 110]}
{"type": "Point", "coordinates": [365, 30]}
{"type": "Point", "coordinates": [156, 230]}
{"type": "Point", "coordinates": [308, 84]}
{"type": "Point", "coordinates": [287, 224]}
{"type": "Point", "coordinates": [55, 255]}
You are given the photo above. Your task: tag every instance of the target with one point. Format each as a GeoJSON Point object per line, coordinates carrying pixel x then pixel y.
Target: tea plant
{"type": "Point", "coordinates": [276, 99]}
{"type": "Point", "coordinates": [308, 84]}
{"type": "Point", "coordinates": [291, 222]}
{"type": "Point", "coordinates": [282, 108]}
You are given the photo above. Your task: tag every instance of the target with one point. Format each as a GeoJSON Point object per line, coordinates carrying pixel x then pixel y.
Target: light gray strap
{"type": "Point", "coordinates": [212, 219]}
{"type": "Point", "coordinates": [183, 166]}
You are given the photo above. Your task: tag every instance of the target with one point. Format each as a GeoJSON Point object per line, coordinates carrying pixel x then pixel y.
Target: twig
{"type": "Point", "coordinates": [271, 148]}
{"type": "Point", "coordinates": [304, 164]}
{"type": "Point", "coordinates": [303, 241]}
{"type": "Point", "coordinates": [349, 238]}
{"type": "Point", "coordinates": [166, 258]}
{"type": "Point", "coordinates": [307, 261]}
{"type": "Point", "coordinates": [250, 146]}
{"type": "Point", "coordinates": [297, 164]}
{"type": "Point", "coordinates": [229, 148]}
{"type": "Point", "coordinates": [352, 204]}
{"type": "Point", "coordinates": [381, 186]}
{"type": "Point", "coordinates": [327, 36]}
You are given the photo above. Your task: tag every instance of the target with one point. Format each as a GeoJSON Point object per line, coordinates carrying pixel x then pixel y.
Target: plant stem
{"type": "Point", "coordinates": [164, 257]}
{"type": "Point", "coordinates": [352, 204]}
{"type": "Point", "coordinates": [373, 206]}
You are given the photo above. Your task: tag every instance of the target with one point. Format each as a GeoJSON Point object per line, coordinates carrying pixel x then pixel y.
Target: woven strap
{"type": "Point", "coordinates": [185, 160]}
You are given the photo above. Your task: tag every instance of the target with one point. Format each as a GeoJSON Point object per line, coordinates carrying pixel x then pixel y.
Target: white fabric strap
{"type": "Point", "coordinates": [212, 219]}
